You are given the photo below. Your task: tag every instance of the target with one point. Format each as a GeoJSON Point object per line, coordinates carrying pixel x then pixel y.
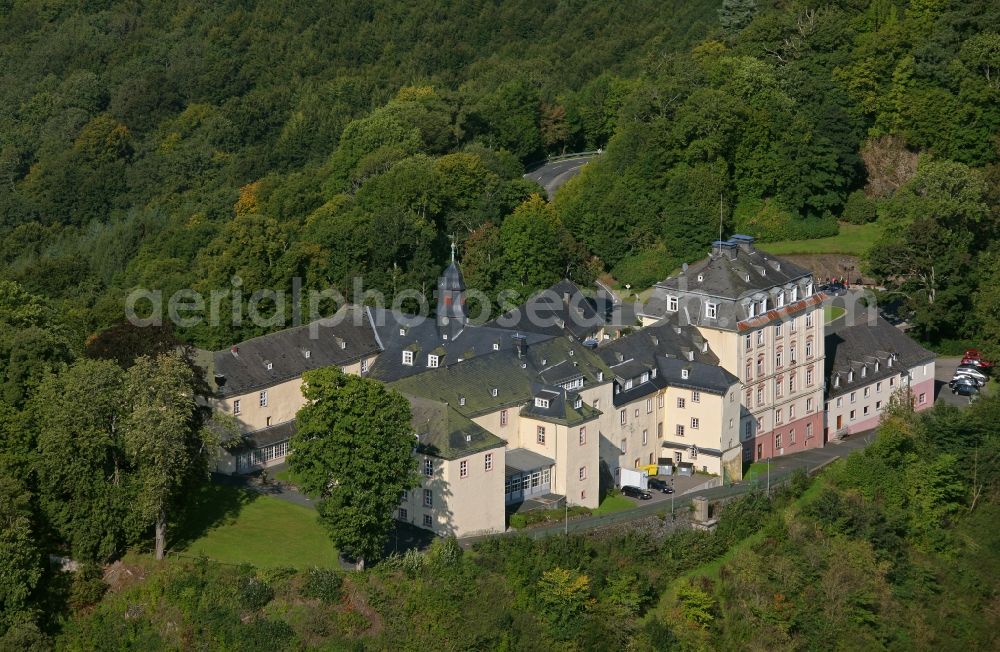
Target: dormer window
{"type": "Point", "coordinates": [836, 381]}
{"type": "Point", "coordinates": [444, 336]}
{"type": "Point", "coordinates": [496, 346]}
{"type": "Point", "coordinates": [747, 278]}
{"type": "Point", "coordinates": [889, 361]}
{"type": "Point", "coordinates": [654, 372]}
{"type": "Point", "coordinates": [461, 400]}
{"type": "Point", "coordinates": [876, 366]}
{"type": "Point", "coordinates": [432, 360]}
{"type": "Point", "coordinates": [672, 304]}
{"type": "Point", "coordinates": [711, 310]}
{"type": "Point", "coordinates": [781, 299]}
{"type": "Point", "coordinates": [307, 353]}
{"type": "Point", "coordinates": [809, 289]}
{"type": "Point", "coordinates": [752, 309]}
{"type": "Point", "coordinates": [850, 376]}
{"type": "Point", "coordinates": [408, 358]}
{"type": "Point", "coordinates": [645, 377]}
{"type": "Point", "coordinates": [864, 371]}
{"type": "Point", "coordinates": [541, 403]}
{"type": "Point", "coordinates": [701, 277]}
{"type": "Point", "coordinates": [795, 293]}
{"type": "Point", "coordinates": [684, 374]}
{"type": "Point", "coordinates": [628, 384]}
{"type": "Point", "coordinates": [494, 391]}
{"type": "Point", "coordinates": [269, 365]}
{"type": "Point", "coordinates": [600, 376]}
{"type": "Point", "coordinates": [763, 305]}
{"type": "Point", "coordinates": [402, 332]}
{"type": "Point", "coordinates": [578, 403]}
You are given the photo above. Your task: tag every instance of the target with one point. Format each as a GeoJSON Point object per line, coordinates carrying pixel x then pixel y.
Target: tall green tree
{"type": "Point", "coordinates": [353, 449]}
{"type": "Point", "coordinates": [21, 556]}
{"type": "Point", "coordinates": [163, 439]}
{"type": "Point", "coordinates": [534, 246]}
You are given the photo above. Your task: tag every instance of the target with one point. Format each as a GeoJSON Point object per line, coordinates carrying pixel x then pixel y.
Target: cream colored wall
{"type": "Point", "coordinates": [718, 425]}
{"type": "Point", "coordinates": [610, 427]}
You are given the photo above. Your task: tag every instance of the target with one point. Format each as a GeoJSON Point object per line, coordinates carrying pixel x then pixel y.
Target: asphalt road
{"type": "Point", "coordinates": [552, 175]}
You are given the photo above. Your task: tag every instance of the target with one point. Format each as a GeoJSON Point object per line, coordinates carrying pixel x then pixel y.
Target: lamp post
{"type": "Point", "coordinates": [566, 516]}
{"type": "Point", "coordinates": [672, 517]}
{"type": "Point", "coordinates": [769, 477]}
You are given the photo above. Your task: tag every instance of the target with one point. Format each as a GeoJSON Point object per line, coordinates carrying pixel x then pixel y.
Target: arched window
{"type": "Point", "coordinates": [760, 365]}
{"type": "Point", "coordinates": [779, 386]}
{"type": "Point", "coordinates": [791, 351]}
{"type": "Point", "coordinates": [809, 347]}
{"type": "Point", "coordinates": [777, 357]}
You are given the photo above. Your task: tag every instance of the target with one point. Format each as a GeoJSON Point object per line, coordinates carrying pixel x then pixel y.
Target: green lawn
{"type": "Point", "coordinates": [613, 503]}
{"type": "Point", "coordinates": [755, 470]}
{"type": "Point", "coordinates": [852, 240]}
{"type": "Point", "coordinates": [832, 312]}
{"type": "Point", "coordinates": [235, 526]}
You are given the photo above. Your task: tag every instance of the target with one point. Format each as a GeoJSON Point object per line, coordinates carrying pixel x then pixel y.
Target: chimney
{"type": "Point", "coordinates": [520, 345]}
{"type": "Point", "coordinates": [235, 350]}
{"type": "Point", "coordinates": [744, 242]}
{"type": "Point", "coordinates": [566, 297]}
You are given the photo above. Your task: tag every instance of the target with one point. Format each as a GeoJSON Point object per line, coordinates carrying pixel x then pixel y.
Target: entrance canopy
{"type": "Point", "coordinates": [521, 460]}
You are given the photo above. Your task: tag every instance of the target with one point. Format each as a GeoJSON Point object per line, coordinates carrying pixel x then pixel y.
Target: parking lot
{"type": "Point", "coordinates": [682, 484]}
{"type": "Point", "coordinates": [944, 370]}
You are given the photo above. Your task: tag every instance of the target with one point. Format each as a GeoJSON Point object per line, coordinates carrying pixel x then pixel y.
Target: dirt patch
{"type": "Point", "coordinates": [357, 600]}
{"type": "Point", "coordinates": [119, 576]}
{"type": "Point", "coordinates": [826, 266]}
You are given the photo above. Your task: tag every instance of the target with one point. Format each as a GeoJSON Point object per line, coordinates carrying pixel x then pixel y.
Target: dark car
{"type": "Point", "coordinates": [963, 380]}
{"type": "Point", "coordinates": [636, 492]}
{"type": "Point", "coordinates": [660, 485]}
{"type": "Point", "coordinates": [965, 389]}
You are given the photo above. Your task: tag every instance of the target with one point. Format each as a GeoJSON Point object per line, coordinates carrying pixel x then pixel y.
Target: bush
{"type": "Point", "coordinates": [859, 208]}
{"type": "Point", "coordinates": [253, 593]}
{"type": "Point", "coordinates": [323, 584]}
{"type": "Point", "coordinates": [645, 268]}
{"type": "Point", "coordinates": [87, 588]}
{"type": "Point", "coordinates": [767, 220]}
{"type": "Point", "coordinates": [518, 521]}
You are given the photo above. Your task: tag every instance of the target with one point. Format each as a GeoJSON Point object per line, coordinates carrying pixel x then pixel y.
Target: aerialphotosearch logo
{"type": "Point", "coordinates": [273, 309]}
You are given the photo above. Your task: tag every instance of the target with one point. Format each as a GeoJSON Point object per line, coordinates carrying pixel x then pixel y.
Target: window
{"type": "Point", "coordinates": [680, 430]}
{"type": "Point", "coordinates": [582, 474]}
{"type": "Point", "coordinates": [791, 382]}
{"type": "Point", "coordinates": [694, 423]}
{"type": "Point", "coordinates": [777, 330]}
{"type": "Point", "coordinates": [267, 422]}
{"type": "Point", "coordinates": [878, 387]}
{"type": "Point", "coordinates": [747, 342]}
{"type": "Point", "coordinates": [809, 377]}
{"type": "Point", "coordinates": [760, 365]}
{"type": "Point", "coordinates": [494, 391]}
{"type": "Point", "coordinates": [779, 386]}
{"type": "Point", "coordinates": [645, 437]}
{"type": "Point", "coordinates": [624, 446]}
{"type": "Point", "coordinates": [809, 430]}
{"type": "Point", "coordinates": [428, 521]}
{"type": "Point", "coordinates": [892, 382]}
{"type": "Point", "coordinates": [577, 403]}
{"type": "Point", "coordinates": [649, 406]}
{"type": "Point", "coordinates": [428, 498]}
{"type": "Point", "coordinates": [461, 400]}
{"type": "Point", "coordinates": [542, 402]}
{"type": "Point", "coordinates": [408, 358]}
{"type": "Point", "coordinates": [659, 401]}
{"type": "Point", "coordinates": [364, 366]}
{"type": "Point", "coordinates": [853, 414]}
{"type": "Point", "coordinates": [748, 429]}
{"type": "Point", "coordinates": [923, 398]}
{"type": "Point", "coordinates": [795, 294]}
{"type": "Point", "coordinates": [428, 468]}
{"type": "Point", "coordinates": [749, 370]}
{"type": "Point", "coordinates": [672, 304]}
{"type": "Point", "coordinates": [659, 430]}
{"type": "Point", "coordinates": [488, 462]}
{"type": "Point", "coordinates": [583, 435]}
{"type": "Point", "coordinates": [496, 346]}
{"type": "Point", "coordinates": [778, 357]}
{"type": "Point", "coordinates": [752, 308]}
{"type": "Point", "coordinates": [878, 405]}
{"type": "Point", "coordinates": [760, 396]}
{"type": "Point", "coordinates": [695, 397]}
{"type": "Point", "coordinates": [694, 453]}
{"type": "Point", "coordinates": [840, 401]}
{"type": "Point", "coordinates": [864, 371]}
{"type": "Point", "coordinates": [711, 310]}
{"type": "Point", "coordinates": [760, 423]}
{"type": "Point", "coordinates": [432, 361]}
{"type": "Point", "coordinates": [463, 469]}
{"type": "Point", "coordinates": [628, 384]}
{"type": "Point", "coordinates": [809, 320]}
{"type": "Point", "coordinates": [777, 440]}
{"type": "Point", "coordinates": [263, 398]}
{"type": "Point", "coordinates": [680, 403]}
{"type": "Point", "coordinates": [503, 417]}
{"type": "Point", "coordinates": [791, 437]}
{"type": "Point", "coordinates": [402, 513]}
{"type": "Point", "coordinates": [781, 299]}
{"type": "Point", "coordinates": [809, 348]}
{"type": "Point", "coordinates": [868, 392]}
{"type": "Point", "coordinates": [791, 353]}
{"type": "Point", "coordinates": [621, 417]}
{"type": "Point", "coordinates": [854, 397]}
{"type": "Point", "coordinates": [760, 338]}
{"type": "Point", "coordinates": [540, 434]}
{"type": "Point", "coordinates": [644, 378]}
{"type": "Point", "coordinates": [236, 407]}
{"type": "Point", "coordinates": [269, 366]}
{"type": "Point", "coordinates": [791, 412]}
{"type": "Point", "coordinates": [684, 374]}
{"type": "Point", "coordinates": [809, 404]}
{"type": "Point", "coordinates": [777, 416]}
{"type": "Point", "coordinates": [864, 410]}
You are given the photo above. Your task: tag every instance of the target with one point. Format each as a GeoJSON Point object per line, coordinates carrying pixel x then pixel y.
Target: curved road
{"type": "Point", "coordinates": [555, 173]}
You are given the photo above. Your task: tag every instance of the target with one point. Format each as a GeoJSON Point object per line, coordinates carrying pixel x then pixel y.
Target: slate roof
{"type": "Point", "coordinates": [443, 432]}
{"type": "Point", "coordinates": [343, 339]}
{"type": "Point", "coordinates": [561, 409]}
{"type": "Point", "coordinates": [398, 332]}
{"type": "Point", "coordinates": [731, 276]}
{"type": "Point", "coordinates": [853, 348]}
{"type": "Point", "coordinates": [469, 386]}
{"type": "Point", "coordinates": [555, 311]}
{"type": "Point", "coordinates": [679, 445]}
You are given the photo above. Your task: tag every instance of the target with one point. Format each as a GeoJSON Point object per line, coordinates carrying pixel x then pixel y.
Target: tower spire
{"type": "Point", "coordinates": [452, 248]}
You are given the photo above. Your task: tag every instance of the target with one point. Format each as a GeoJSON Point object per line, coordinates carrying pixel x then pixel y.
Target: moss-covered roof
{"type": "Point", "coordinates": [445, 433]}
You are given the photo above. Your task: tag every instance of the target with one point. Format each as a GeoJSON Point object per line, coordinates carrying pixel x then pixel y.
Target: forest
{"type": "Point", "coordinates": [179, 145]}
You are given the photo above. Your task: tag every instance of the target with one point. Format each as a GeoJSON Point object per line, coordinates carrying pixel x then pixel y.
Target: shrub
{"type": "Point", "coordinates": [253, 593]}
{"type": "Point", "coordinates": [87, 588]}
{"type": "Point", "coordinates": [518, 521]}
{"type": "Point", "coordinates": [859, 208]}
{"type": "Point", "coordinates": [645, 268]}
{"type": "Point", "coordinates": [323, 584]}
{"type": "Point", "coordinates": [768, 220]}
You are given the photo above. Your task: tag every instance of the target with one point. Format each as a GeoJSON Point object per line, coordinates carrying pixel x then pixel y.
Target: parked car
{"type": "Point", "coordinates": [965, 389]}
{"type": "Point", "coordinates": [974, 358]}
{"type": "Point", "coordinates": [660, 485]}
{"type": "Point", "coordinates": [970, 382]}
{"type": "Point", "coordinates": [971, 372]}
{"type": "Point", "coordinates": [636, 492]}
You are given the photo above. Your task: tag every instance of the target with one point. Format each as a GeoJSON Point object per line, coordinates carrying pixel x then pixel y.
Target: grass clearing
{"type": "Point", "coordinates": [852, 240]}
{"type": "Point", "coordinates": [235, 526]}
{"type": "Point", "coordinates": [613, 503]}
{"type": "Point", "coordinates": [833, 312]}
